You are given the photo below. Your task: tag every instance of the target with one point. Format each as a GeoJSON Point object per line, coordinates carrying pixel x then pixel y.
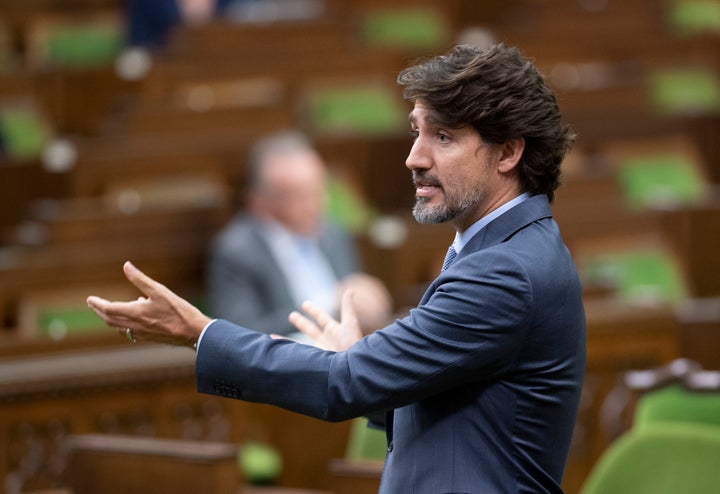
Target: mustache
{"type": "Point", "coordinates": [422, 177]}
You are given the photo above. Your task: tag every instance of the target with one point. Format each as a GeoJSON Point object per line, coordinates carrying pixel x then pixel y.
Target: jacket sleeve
{"type": "Point", "coordinates": [469, 327]}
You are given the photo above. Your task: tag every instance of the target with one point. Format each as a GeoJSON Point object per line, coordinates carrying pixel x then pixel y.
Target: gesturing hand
{"type": "Point", "coordinates": [160, 315]}
{"type": "Point", "coordinates": [325, 331]}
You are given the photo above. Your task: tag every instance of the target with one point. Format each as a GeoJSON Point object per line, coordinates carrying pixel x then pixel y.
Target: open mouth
{"type": "Point", "coordinates": [425, 186]}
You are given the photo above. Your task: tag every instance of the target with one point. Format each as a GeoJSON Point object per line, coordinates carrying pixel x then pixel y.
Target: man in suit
{"type": "Point", "coordinates": [282, 250]}
{"type": "Point", "coordinates": [481, 381]}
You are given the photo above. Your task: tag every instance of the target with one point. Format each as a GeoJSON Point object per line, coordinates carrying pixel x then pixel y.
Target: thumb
{"type": "Point", "coordinates": [143, 282]}
{"type": "Point", "coordinates": [349, 315]}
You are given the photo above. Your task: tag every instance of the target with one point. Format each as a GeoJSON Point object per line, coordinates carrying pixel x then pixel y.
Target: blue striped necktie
{"type": "Point", "coordinates": [449, 257]}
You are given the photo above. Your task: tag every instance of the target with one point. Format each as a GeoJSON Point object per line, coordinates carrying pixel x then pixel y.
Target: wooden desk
{"type": "Point", "coordinates": [140, 390]}
{"type": "Point", "coordinates": [355, 477]}
{"type": "Point", "coordinates": [114, 464]}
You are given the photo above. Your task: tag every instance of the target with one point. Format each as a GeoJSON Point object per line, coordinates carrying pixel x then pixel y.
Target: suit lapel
{"type": "Point", "coordinates": [500, 229]}
{"type": "Point", "coordinates": [509, 223]}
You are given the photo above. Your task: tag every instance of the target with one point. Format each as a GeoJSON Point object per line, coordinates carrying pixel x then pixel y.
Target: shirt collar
{"type": "Point", "coordinates": [278, 233]}
{"type": "Point", "coordinates": [462, 238]}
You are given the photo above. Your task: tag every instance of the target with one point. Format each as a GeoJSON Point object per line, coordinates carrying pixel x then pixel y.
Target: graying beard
{"type": "Point", "coordinates": [442, 213]}
{"type": "Point", "coordinates": [425, 215]}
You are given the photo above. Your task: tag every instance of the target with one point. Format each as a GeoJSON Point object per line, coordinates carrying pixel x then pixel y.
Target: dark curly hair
{"type": "Point", "coordinates": [503, 96]}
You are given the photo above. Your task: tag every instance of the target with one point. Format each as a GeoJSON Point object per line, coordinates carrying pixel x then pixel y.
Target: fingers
{"type": "Point", "coordinates": [325, 331]}
{"type": "Point", "coordinates": [99, 305]}
{"type": "Point", "coordinates": [121, 313]}
{"type": "Point", "coordinates": [118, 314]}
{"type": "Point", "coordinates": [159, 315]}
{"type": "Point", "coordinates": [143, 282]}
{"type": "Point", "coordinates": [347, 311]}
{"type": "Point", "coordinates": [305, 325]}
{"type": "Point", "coordinates": [321, 317]}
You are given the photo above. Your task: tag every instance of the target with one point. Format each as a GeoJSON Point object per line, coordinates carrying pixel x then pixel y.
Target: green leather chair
{"type": "Point", "coordinates": [661, 458]}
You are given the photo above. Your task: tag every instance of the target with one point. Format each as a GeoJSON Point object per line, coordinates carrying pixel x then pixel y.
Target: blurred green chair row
{"type": "Point", "coordinates": [674, 444]}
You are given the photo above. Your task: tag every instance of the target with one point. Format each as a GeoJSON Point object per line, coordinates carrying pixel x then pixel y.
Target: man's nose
{"type": "Point", "coordinates": [418, 157]}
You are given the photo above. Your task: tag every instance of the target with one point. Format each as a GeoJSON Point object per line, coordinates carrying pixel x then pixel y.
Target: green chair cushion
{"type": "Point", "coordinates": [660, 180]}
{"type": "Point", "coordinates": [688, 17]}
{"type": "Point", "coordinates": [84, 46]}
{"type": "Point", "coordinates": [676, 404]}
{"type": "Point", "coordinates": [685, 91]}
{"type": "Point", "coordinates": [24, 133]}
{"type": "Point", "coordinates": [637, 275]}
{"type": "Point", "coordinates": [361, 110]}
{"type": "Point", "coordinates": [346, 207]}
{"type": "Point", "coordinates": [412, 28]}
{"type": "Point", "coordinates": [665, 459]}
{"type": "Point", "coordinates": [58, 323]}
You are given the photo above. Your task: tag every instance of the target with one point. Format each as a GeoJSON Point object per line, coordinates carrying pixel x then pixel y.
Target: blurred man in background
{"type": "Point", "coordinates": [283, 250]}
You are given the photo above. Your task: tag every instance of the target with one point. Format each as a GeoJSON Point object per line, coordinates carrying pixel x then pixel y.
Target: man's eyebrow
{"type": "Point", "coordinates": [430, 118]}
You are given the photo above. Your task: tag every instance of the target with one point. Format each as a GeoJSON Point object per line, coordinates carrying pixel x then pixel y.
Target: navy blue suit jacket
{"type": "Point", "coordinates": [481, 381]}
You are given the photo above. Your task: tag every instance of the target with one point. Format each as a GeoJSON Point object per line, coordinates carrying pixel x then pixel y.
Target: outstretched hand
{"type": "Point", "coordinates": [326, 332]}
{"type": "Point", "coordinates": [160, 315]}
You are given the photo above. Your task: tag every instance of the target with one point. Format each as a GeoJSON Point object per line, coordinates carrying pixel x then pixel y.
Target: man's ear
{"type": "Point", "coordinates": [511, 153]}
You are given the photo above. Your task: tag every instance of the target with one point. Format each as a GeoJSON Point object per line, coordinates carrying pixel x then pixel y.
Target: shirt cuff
{"type": "Point", "coordinates": [197, 345]}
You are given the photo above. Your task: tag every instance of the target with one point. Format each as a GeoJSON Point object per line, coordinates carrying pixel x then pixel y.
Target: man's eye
{"type": "Point", "coordinates": [414, 134]}
{"type": "Point", "coordinates": [443, 138]}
